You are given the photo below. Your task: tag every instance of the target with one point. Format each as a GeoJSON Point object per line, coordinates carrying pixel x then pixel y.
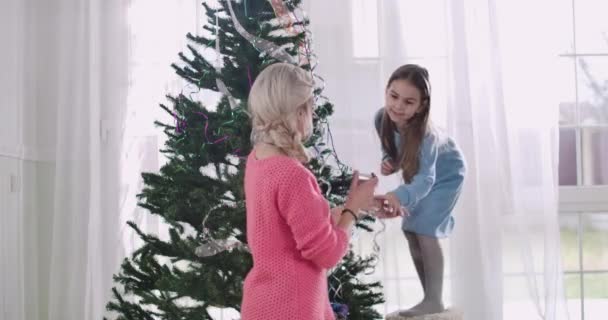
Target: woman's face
{"type": "Point", "coordinates": [305, 119]}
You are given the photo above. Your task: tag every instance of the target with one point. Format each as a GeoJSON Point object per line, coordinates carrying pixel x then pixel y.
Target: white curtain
{"type": "Point", "coordinates": [81, 82]}
{"type": "Point", "coordinates": [85, 78]}
{"type": "Point", "coordinates": [71, 84]}
{"type": "Point", "coordinates": [492, 68]}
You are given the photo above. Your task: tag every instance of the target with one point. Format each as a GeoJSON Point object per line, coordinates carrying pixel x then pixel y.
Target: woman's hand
{"type": "Point", "coordinates": [336, 213]}
{"type": "Point", "coordinates": [361, 195]}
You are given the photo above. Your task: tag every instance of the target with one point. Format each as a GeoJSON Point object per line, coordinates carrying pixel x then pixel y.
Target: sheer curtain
{"type": "Point", "coordinates": [86, 78]}
{"type": "Point", "coordinates": [71, 83]}
{"type": "Point", "coordinates": [491, 65]}
{"type": "Point", "coordinates": [81, 83]}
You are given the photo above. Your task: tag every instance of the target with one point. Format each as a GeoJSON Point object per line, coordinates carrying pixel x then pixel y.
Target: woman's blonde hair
{"type": "Point", "coordinates": [278, 93]}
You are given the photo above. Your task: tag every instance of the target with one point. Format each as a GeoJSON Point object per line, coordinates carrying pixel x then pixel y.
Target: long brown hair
{"type": "Point", "coordinates": [413, 133]}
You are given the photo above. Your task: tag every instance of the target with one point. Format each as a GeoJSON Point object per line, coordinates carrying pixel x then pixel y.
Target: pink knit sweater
{"type": "Point", "coordinates": [293, 242]}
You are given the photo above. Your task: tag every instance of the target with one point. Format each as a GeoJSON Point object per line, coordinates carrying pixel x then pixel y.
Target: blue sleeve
{"type": "Point", "coordinates": [378, 124]}
{"type": "Point", "coordinates": [410, 194]}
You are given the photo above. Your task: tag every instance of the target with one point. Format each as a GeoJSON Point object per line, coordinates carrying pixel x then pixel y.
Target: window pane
{"type": "Point", "coordinates": [569, 242]}
{"type": "Point", "coordinates": [596, 287]}
{"type": "Point", "coordinates": [567, 157]}
{"type": "Point", "coordinates": [596, 295]}
{"type": "Point", "coordinates": [594, 153]}
{"type": "Point", "coordinates": [593, 90]}
{"type": "Point", "coordinates": [591, 26]}
{"type": "Point", "coordinates": [595, 242]}
{"type": "Point", "coordinates": [565, 88]}
{"type": "Point", "coordinates": [573, 286]}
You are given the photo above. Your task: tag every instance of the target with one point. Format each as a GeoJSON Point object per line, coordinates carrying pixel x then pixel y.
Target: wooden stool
{"type": "Point", "coordinates": [448, 314]}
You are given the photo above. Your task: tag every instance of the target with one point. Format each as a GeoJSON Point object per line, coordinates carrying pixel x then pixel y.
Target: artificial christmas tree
{"type": "Point", "coordinates": [199, 191]}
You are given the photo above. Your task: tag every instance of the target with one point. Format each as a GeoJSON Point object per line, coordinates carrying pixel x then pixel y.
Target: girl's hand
{"type": "Point", "coordinates": [387, 167]}
{"type": "Point", "coordinates": [389, 206]}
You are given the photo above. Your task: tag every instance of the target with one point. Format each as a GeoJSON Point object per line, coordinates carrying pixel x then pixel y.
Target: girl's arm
{"type": "Point", "coordinates": [422, 183]}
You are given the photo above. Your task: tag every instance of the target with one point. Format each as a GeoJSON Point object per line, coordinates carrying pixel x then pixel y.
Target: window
{"type": "Point", "coordinates": [582, 89]}
{"type": "Point", "coordinates": [584, 106]}
{"type": "Point", "coordinates": [583, 169]}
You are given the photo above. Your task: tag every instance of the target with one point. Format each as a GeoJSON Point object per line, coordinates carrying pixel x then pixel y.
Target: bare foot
{"type": "Point", "coordinates": [424, 307]}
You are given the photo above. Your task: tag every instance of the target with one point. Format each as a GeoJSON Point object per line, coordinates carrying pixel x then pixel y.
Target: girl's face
{"type": "Point", "coordinates": [402, 101]}
{"type": "Point", "coordinates": [305, 119]}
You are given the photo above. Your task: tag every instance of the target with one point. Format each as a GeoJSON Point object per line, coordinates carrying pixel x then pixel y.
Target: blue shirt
{"type": "Point", "coordinates": [440, 162]}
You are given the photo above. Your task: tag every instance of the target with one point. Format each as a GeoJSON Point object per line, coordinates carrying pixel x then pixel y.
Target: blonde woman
{"type": "Point", "coordinates": [293, 236]}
